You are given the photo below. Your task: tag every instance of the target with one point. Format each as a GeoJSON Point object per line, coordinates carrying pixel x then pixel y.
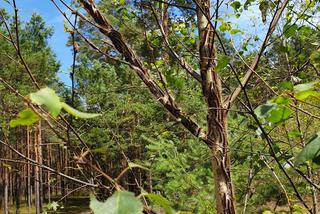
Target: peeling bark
{"type": "Point", "coordinates": [217, 116]}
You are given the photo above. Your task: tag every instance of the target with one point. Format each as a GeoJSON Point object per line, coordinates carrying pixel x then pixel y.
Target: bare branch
{"type": "Point", "coordinates": [255, 63]}
{"type": "Point", "coordinates": [180, 59]}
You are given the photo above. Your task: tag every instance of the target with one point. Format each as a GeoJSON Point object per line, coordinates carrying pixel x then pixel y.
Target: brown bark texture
{"type": "Point", "coordinates": [217, 115]}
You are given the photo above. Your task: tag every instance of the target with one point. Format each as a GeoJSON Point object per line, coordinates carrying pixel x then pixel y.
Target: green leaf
{"type": "Point", "coordinates": [49, 98]}
{"type": "Point", "coordinates": [247, 4]}
{"type": "Point", "coordinates": [294, 134]}
{"type": "Point", "coordinates": [283, 48]}
{"type": "Point", "coordinates": [303, 91]}
{"type": "Point", "coordinates": [235, 31]}
{"type": "Point", "coordinates": [305, 86]}
{"type": "Point", "coordinates": [310, 151]}
{"type": "Point", "coordinates": [279, 114]}
{"type": "Point", "coordinates": [236, 5]}
{"type": "Point", "coordinates": [306, 94]}
{"type": "Point", "coordinates": [161, 201]}
{"type": "Point", "coordinates": [223, 61]}
{"type": "Point", "coordinates": [76, 113]}
{"type": "Point", "coordinates": [289, 30]}
{"type": "Point", "coordinates": [159, 62]}
{"type": "Point", "coordinates": [297, 209]}
{"type": "Point", "coordinates": [286, 85]}
{"type": "Point", "coordinates": [263, 7]}
{"type": "Point", "coordinates": [305, 31]}
{"type": "Point", "coordinates": [121, 202]}
{"type": "Point", "coordinates": [25, 118]}
{"type": "Point", "coordinates": [224, 26]}
{"type": "Point", "coordinates": [273, 112]}
{"type": "Point", "coordinates": [315, 58]}
{"type": "Point", "coordinates": [262, 110]}
{"type": "Point", "coordinates": [282, 100]}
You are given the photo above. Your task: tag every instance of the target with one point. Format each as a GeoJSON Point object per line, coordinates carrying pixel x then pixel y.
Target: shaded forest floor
{"type": "Point", "coordinates": [73, 205]}
{"type": "Point", "coordinates": [80, 205]}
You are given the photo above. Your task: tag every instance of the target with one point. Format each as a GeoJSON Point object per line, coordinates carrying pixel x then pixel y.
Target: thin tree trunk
{"type": "Point", "coordinates": [314, 192]}
{"type": "Point", "coordinates": [6, 184]}
{"type": "Point", "coordinates": [11, 183]}
{"type": "Point", "coordinates": [37, 172]}
{"type": "Point", "coordinates": [58, 163]}
{"type": "Point", "coordinates": [39, 147]}
{"type": "Point", "coordinates": [29, 195]}
{"type": "Point", "coordinates": [217, 116]}
{"type": "Point", "coordinates": [165, 26]}
{"type": "Point", "coordinates": [18, 185]}
{"type": "Point", "coordinates": [49, 175]}
{"type": "Point", "coordinates": [17, 192]}
{"type": "Point", "coordinates": [249, 181]}
{"type": "Point", "coordinates": [6, 192]}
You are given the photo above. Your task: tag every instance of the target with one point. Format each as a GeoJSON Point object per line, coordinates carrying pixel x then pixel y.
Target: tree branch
{"type": "Point", "coordinates": [255, 63]}
{"type": "Point", "coordinates": [164, 98]}
{"type": "Point", "coordinates": [180, 59]}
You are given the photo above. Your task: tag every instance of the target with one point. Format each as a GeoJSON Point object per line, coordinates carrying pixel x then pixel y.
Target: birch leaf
{"type": "Point", "coordinates": [121, 202]}
{"type": "Point", "coordinates": [49, 98]}
{"type": "Point", "coordinates": [76, 113]}
{"type": "Point", "coordinates": [25, 118]}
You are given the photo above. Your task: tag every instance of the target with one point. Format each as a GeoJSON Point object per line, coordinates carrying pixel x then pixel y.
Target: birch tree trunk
{"type": "Point", "coordinates": [217, 115]}
{"type": "Point", "coordinates": [38, 170]}
{"type": "Point", "coordinates": [40, 162]}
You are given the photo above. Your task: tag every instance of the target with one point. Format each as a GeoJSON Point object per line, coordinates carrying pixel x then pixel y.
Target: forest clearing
{"type": "Point", "coordinates": [159, 106]}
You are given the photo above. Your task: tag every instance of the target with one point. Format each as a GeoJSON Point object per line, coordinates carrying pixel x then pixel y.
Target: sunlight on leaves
{"type": "Point", "coordinates": [306, 90]}
{"type": "Point", "coordinates": [310, 151]}
{"type": "Point", "coordinates": [305, 87]}
{"type": "Point", "coordinates": [25, 118]}
{"type": "Point", "coordinates": [76, 113]}
{"type": "Point", "coordinates": [223, 61]}
{"type": "Point", "coordinates": [53, 206]}
{"type": "Point", "coordinates": [49, 98]}
{"type": "Point", "coordinates": [121, 202]}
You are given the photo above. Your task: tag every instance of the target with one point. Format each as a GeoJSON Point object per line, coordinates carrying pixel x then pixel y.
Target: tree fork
{"type": "Point", "coordinates": [216, 138]}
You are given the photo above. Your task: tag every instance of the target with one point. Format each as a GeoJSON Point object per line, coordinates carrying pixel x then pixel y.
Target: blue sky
{"type": "Point", "coordinates": [54, 19]}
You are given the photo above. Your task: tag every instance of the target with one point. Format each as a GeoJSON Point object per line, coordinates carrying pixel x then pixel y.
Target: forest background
{"type": "Point", "coordinates": [231, 123]}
